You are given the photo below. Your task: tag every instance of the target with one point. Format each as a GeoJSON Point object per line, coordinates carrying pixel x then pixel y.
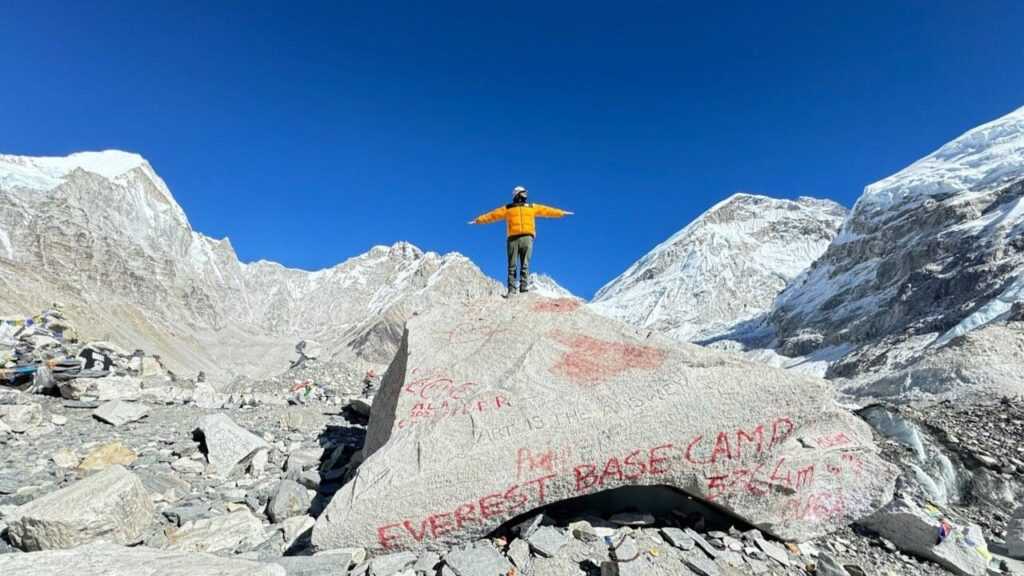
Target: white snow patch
{"type": "Point", "coordinates": [982, 158]}
{"type": "Point", "coordinates": [546, 286]}
{"type": "Point", "coordinates": [992, 310]}
{"type": "Point", "coordinates": [47, 172]}
{"type": "Point", "coordinates": [814, 364]}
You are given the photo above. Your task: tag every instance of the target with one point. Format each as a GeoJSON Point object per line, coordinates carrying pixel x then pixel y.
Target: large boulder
{"type": "Point", "coordinates": [119, 412]}
{"type": "Point", "coordinates": [105, 559]}
{"type": "Point", "coordinates": [227, 444]}
{"type": "Point", "coordinates": [925, 531]}
{"type": "Point", "coordinates": [502, 407]}
{"type": "Point", "coordinates": [112, 505]}
{"type": "Point", "coordinates": [289, 499]}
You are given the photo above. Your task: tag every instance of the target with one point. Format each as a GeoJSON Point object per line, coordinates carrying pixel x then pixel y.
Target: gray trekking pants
{"type": "Point", "coordinates": [520, 248]}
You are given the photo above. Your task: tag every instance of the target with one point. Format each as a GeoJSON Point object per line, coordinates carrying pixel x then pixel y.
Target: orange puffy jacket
{"type": "Point", "coordinates": [520, 219]}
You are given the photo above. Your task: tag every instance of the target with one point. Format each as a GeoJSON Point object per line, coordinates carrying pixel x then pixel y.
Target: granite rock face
{"type": "Point", "coordinates": [111, 505]}
{"type": "Point", "coordinates": [539, 400]}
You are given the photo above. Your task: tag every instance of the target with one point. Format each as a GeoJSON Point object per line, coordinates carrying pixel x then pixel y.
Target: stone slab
{"type": "Point", "coordinates": [493, 410]}
{"type": "Point", "coordinates": [112, 505]}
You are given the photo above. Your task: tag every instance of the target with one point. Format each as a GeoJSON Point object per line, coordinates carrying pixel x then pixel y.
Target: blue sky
{"type": "Point", "coordinates": [308, 132]}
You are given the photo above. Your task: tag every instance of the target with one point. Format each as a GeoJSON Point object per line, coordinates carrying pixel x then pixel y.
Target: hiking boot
{"type": "Point", "coordinates": [511, 292]}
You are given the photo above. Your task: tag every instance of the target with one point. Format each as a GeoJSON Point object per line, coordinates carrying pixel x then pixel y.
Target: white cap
{"type": "Point", "coordinates": [519, 190]}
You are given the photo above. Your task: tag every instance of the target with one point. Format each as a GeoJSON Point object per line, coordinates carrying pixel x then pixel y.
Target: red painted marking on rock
{"type": "Point", "coordinates": [590, 360]}
{"type": "Point", "coordinates": [556, 305]}
{"type": "Point", "coordinates": [509, 501]}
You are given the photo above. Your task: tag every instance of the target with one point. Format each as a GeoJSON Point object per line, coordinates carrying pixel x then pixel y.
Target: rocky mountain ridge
{"type": "Point", "coordinates": [927, 256]}
{"type": "Point", "coordinates": [102, 233]}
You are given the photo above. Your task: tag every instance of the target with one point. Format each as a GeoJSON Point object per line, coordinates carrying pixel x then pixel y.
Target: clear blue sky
{"type": "Point", "coordinates": [308, 132]}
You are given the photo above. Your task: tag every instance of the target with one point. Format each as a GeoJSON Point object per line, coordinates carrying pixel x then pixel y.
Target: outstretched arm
{"type": "Point", "coordinates": [543, 211]}
{"type": "Point", "coordinates": [492, 216]}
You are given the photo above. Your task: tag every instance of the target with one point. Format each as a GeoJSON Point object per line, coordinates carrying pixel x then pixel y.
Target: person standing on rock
{"type": "Point", "coordinates": [521, 228]}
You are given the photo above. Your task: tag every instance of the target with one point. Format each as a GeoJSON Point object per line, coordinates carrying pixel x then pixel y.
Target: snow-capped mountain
{"type": "Point", "coordinates": [927, 255]}
{"type": "Point", "coordinates": [546, 286]}
{"type": "Point", "coordinates": [101, 232]}
{"type": "Point", "coordinates": [724, 268]}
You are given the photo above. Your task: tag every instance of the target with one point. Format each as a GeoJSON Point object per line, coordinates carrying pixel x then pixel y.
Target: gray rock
{"type": "Point", "coordinates": [478, 559]}
{"type": "Point", "coordinates": [8, 485]}
{"type": "Point", "coordinates": [678, 538]}
{"type": "Point", "coordinates": [701, 565]}
{"type": "Point", "coordinates": [65, 458]}
{"type": "Point", "coordinates": [304, 459]}
{"type": "Point", "coordinates": [624, 548]}
{"type": "Point", "coordinates": [310, 479]}
{"type": "Point", "coordinates": [117, 388]}
{"type": "Point", "coordinates": [827, 566]}
{"type": "Point", "coordinates": [105, 559]}
{"type": "Point", "coordinates": [112, 505]}
{"type": "Point", "coordinates": [584, 531]}
{"type": "Point", "coordinates": [188, 466]}
{"type": "Point", "coordinates": [390, 564]}
{"type": "Point", "coordinates": [309, 349]}
{"type": "Point", "coordinates": [701, 542]}
{"type": "Point", "coordinates": [228, 533]}
{"type": "Point", "coordinates": [556, 567]}
{"type": "Point", "coordinates": [774, 551]}
{"type": "Point", "coordinates": [541, 404]}
{"type": "Point", "coordinates": [915, 530]}
{"type": "Point", "coordinates": [120, 412]}
{"type": "Point", "coordinates": [20, 418]}
{"type": "Point", "coordinates": [188, 512]}
{"type": "Point", "coordinates": [527, 527]}
{"type": "Point", "coordinates": [519, 554]}
{"type": "Point", "coordinates": [547, 540]}
{"type": "Point", "coordinates": [80, 404]}
{"type": "Point", "coordinates": [206, 397]}
{"type": "Point", "coordinates": [1015, 534]}
{"type": "Point", "coordinates": [312, 565]}
{"type": "Point", "coordinates": [427, 563]}
{"type": "Point", "coordinates": [227, 444]}
{"type": "Point", "coordinates": [290, 499]}
{"type": "Point", "coordinates": [355, 555]}
{"type": "Point", "coordinates": [294, 527]}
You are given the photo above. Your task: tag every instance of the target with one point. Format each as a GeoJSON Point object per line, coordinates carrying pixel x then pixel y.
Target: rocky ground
{"type": "Point", "coordinates": [178, 469]}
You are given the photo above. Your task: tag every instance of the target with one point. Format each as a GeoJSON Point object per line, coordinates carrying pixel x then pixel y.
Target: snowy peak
{"type": "Point", "coordinates": [724, 267]}
{"type": "Point", "coordinates": [48, 172]}
{"type": "Point", "coordinates": [981, 159]}
{"type": "Point", "coordinates": [927, 255]}
{"type": "Point", "coordinates": [547, 286]}
{"type": "Point", "coordinates": [138, 184]}
{"type": "Point", "coordinates": [102, 230]}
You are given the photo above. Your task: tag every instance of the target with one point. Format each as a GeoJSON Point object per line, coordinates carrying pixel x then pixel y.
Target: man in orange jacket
{"type": "Point", "coordinates": [520, 225]}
